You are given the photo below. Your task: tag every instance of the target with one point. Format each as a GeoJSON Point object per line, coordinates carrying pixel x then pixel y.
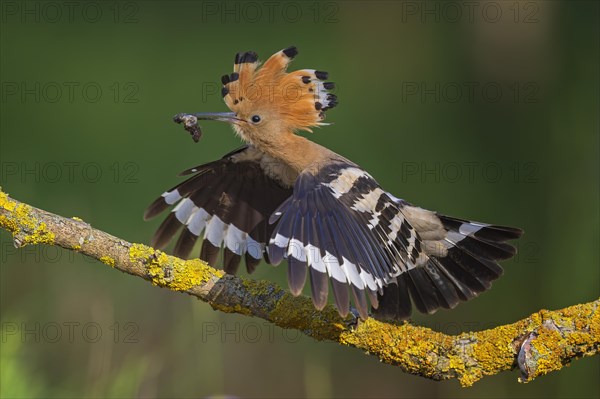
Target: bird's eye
{"type": "Point", "coordinates": [255, 119]}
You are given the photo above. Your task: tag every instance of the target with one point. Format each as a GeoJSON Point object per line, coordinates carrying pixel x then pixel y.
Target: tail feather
{"type": "Point", "coordinates": [463, 288]}
{"type": "Point", "coordinates": [422, 290]}
{"type": "Point", "coordinates": [448, 298]}
{"type": "Point", "coordinates": [465, 269]}
{"type": "Point", "coordinates": [463, 276]}
{"type": "Point", "coordinates": [493, 233]}
{"type": "Point", "coordinates": [395, 303]}
{"type": "Point", "coordinates": [484, 248]}
{"type": "Point", "coordinates": [483, 269]}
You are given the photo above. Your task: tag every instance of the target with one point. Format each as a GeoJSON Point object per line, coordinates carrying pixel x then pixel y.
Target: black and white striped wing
{"type": "Point", "coordinates": [340, 226]}
{"type": "Point", "coordinates": [224, 203]}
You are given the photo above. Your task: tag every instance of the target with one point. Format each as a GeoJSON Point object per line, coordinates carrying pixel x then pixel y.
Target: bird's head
{"type": "Point", "coordinates": [266, 101]}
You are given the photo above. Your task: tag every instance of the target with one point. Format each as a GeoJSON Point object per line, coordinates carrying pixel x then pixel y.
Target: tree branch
{"type": "Point", "coordinates": [541, 343]}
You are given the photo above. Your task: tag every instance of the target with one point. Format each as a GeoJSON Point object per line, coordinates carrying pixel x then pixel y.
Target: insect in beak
{"type": "Point", "coordinates": [190, 121]}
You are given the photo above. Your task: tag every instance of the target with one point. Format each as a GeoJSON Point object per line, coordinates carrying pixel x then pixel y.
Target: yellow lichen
{"type": "Point", "coordinates": [75, 218]}
{"type": "Point", "coordinates": [76, 247]}
{"type": "Point", "coordinates": [171, 272]}
{"type": "Point", "coordinates": [299, 313]}
{"type": "Point", "coordinates": [431, 354]}
{"type": "Point", "coordinates": [139, 252]}
{"type": "Point", "coordinates": [417, 350]}
{"type": "Point", "coordinates": [493, 350]}
{"type": "Point", "coordinates": [260, 287]}
{"type": "Point", "coordinates": [19, 219]}
{"type": "Point", "coordinates": [8, 222]}
{"type": "Point", "coordinates": [41, 235]}
{"type": "Point", "coordinates": [6, 203]}
{"type": "Point", "coordinates": [562, 334]}
{"type": "Point", "coordinates": [237, 308]}
{"type": "Point", "coordinates": [594, 326]}
{"type": "Point", "coordinates": [548, 347]}
{"type": "Point", "coordinates": [108, 261]}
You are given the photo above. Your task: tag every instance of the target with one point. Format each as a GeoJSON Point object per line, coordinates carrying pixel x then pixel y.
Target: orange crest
{"type": "Point", "coordinates": [299, 98]}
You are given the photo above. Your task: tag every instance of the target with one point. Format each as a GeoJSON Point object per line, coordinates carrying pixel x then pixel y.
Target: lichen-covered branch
{"type": "Point", "coordinates": [542, 343]}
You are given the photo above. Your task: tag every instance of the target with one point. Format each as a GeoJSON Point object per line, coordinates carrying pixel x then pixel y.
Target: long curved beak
{"type": "Point", "coordinates": [190, 121]}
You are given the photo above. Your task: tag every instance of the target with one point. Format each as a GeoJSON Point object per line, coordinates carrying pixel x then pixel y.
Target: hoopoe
{"type": "Point", "coordinates": [282, 196]}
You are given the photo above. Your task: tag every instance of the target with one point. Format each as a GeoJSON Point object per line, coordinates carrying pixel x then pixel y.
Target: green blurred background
{"type": "Point", "coordinates": [486, 111]}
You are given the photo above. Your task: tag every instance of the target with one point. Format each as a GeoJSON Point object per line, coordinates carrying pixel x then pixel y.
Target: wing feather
{"type": "Point", "coordinates": [225, 203]}
{"type": "Point", "coordinates": [366, 241]}
{"type": "Point", "coordinates": [338, 227]}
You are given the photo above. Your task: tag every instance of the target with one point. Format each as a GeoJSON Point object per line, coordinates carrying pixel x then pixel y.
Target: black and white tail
{"type": "Point", "coordinates": [465, 267]}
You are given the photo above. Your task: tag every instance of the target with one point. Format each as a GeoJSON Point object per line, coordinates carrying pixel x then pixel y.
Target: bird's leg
{"type": "Point", "coordinates": [354, 322]}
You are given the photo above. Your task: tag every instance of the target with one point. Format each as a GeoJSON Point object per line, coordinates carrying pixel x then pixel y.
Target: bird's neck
{"type": "Point", "coordinates": [298, 152]}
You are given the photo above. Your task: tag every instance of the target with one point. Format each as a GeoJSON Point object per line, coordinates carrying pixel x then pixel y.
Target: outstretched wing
{"type": "Point", "coordinates": [340, 226]}
{"type": "Point", "coordinates": [225, 203]}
